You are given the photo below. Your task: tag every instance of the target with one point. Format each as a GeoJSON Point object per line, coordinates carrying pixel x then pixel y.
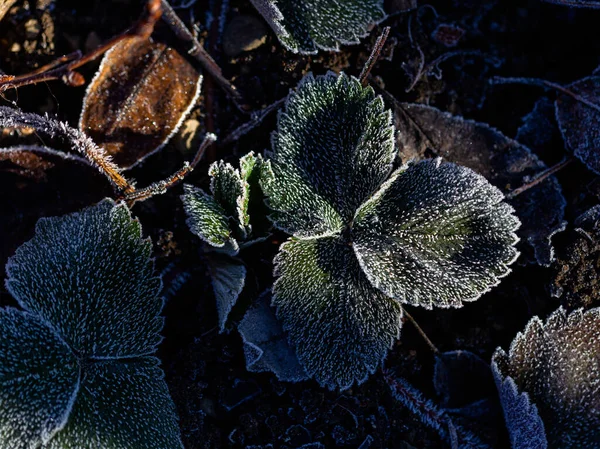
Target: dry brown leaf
{"type": "Point", "coordinates": [138, 99]}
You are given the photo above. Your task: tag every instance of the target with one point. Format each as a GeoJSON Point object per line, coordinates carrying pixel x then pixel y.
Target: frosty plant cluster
{"type": "Point", "coordinates": [366, 238]}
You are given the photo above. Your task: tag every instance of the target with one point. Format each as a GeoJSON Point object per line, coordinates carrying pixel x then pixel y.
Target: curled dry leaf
{"type": "Point", "coordinates": [579, 122]}
{"type": "Point", "coordinates": [576, 273]}
{"type": "Point", "coordinates": [139, 98]}
{"type": "Point", "coordinates": [424, 131]}
{"type": "Point", "coordinates": [556, 365]}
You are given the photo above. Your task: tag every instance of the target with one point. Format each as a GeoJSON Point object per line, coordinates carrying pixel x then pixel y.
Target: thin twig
{"type": "Point", "coordinates": [197, 51]}
{"type": "Point", "coordinates": [540, 177]}
{"type": "Point", "coordinates": [421, 56]}
{"type": "Point", "coordinates": [160, 187]}
{"type": "Point", "coordinates": [374, 56]}
{"type": "Point", "coordinates": [255, 120]}
{"type": "Point", "coordinates": [66, 72]}
{"type": "Point", "coordinates": [545, 84]}
{"type": "Point", "coordinates": [421, 332]}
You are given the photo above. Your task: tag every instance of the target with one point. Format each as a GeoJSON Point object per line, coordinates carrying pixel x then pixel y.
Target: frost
{"type": "Point", "coordinates": [341, 326]}
{"type": "Point", "coordinates": [39, 377]}
{"type": "Point", "coordinates": [556, 366]}
{"type": "Point", "coordinates": [222, 219]}
{"type": "Point", "coordinates": [504, 162]}
{"type": "Point", "coordinates": [90, 326]}
{"type": "Point", "coordinates": [90, 276]}
{"type": "Point", "coordinates": [578, 122]}
{"type": "Point", "coordinates": [333, 148]}
{"type": "Point", "coordinates": [304, 26]}
{"type": "Point", "coordinates": [433, 234]}
{"type": "Point", "coordinates": [265, 344]}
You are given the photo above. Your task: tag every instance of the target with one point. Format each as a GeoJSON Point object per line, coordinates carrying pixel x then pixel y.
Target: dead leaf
{"type": "Point", "coordinates": [139, 98]}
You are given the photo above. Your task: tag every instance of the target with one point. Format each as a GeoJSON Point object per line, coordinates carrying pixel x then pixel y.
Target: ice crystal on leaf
{"type": "Point", "coordinates": [76, 367]}
{"type": "Point", "coordinates": [364, 241]}
{"type": "Point", "coordinates": [549, 380]}
{"type": "Point", "coordinates": [304, 26]}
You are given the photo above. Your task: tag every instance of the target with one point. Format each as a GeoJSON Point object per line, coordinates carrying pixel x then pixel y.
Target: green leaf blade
{"type": "Point", "coordinates": [121, 405]}
{"type": "Point", "coordinates": [90, 276]}
{"type": "Point", "coordinates": [435, 234]}
{"type": "Point", "coordinates": [341, 326]}
{"type": "Point", "coordinates": [333, 149]}
{"type": "Point", "coordinates": [39, 378]}
{"type": "Point", "coordinates": [207, 219]}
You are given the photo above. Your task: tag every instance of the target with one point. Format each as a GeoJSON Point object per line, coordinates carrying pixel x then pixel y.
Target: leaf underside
{"type": "Point", "coordinates": [265, 343]}
{"type": "Point", "coordinates": [228, 276]}
{"type": "Point", "coordinates": [304, 26]}
{"type": "Point", "coordinates": [435, 235]}
{"type": "Point", "coordinates": [90, 276]}
{"type": "Point", "coordinates": [557, 363]}
{"type": "Point", "coordinates": [341, 326]}
{"type": "Point", "coordinates": [39, 377]}
{"type": "Point", "coordinates": [121, 405]}
{"type": "Point", "coordinates": [333, 149]}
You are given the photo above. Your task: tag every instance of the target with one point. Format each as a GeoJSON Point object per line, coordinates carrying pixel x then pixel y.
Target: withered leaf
{"type": "Point", "coordinates": [579, 123]}
{"type": "Point", "coordinates": [138, 99]}
{"type": "Point", "coordinates": [424, 131]}
{"type": "Point", "coordinates": [5, 6]}
{"type": "Point", "coordinates": [576, 273]}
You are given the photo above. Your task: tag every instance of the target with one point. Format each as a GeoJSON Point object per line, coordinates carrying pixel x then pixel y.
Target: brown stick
{"type": "Point", "coordinates": [197, 51]}
{"type": "Point", "coordinates": [374, 56]}
{"type": "Point", "coordinates": [540, 177]}
{"type": "Point", "coordinates": [58, 70]}
{"type": "Point", "coordinates": [160, 187]}
{"type": "Point", "coordinates": [421, 332]}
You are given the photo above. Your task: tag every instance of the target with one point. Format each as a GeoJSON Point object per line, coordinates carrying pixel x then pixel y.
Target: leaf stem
{"type": "Point", "coordinates": [374, 56]}
{"type": "Point", "coordinates": [540, 177]}
{"type": "Point", "coordinates": [421, 332]}
{"type": "Point", "coordinates": [160, 187]}
{"type": "Point", "coordinates": [197, 51]}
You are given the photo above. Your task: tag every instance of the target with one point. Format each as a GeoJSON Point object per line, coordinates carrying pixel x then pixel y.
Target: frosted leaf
{"type": "Point", "coordinates": [265, 344]}
{"type": "Point", "coordinates": [89, 275]}
{"type": "Point", "coordinates": [525, 427]}
{"type": "Point", "coordinates": [579, 122]}
{"type": "Point", "coordinates": [435, 235]}
{"type": "Point", "coordinates": [228, 276]}
{"type": "Point", "coordinates": [557, 363]}
{"type": "Point", "coordinates": [121, 405]}
{"type": "Point", "coordinates": [423, 130]}
{"type": "Point", "coordinates": [593, 4]}
{"type": "Point", "coordinates": [304, 26]}
{"type": "Point", "coordinates": [340, 325]}
{"type": "Point", "coordinates": [539, 126]}
{"type": "Point", "coordinates": [333, 149]}
{"type": "Point", "coordinates": [39, 377]}
{"type": "Point", "coordinates": [207, 219]}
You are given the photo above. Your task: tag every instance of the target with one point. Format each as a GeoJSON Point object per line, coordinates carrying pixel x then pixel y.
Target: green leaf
{"type": "Point", "coordinates": [341, 326]}
{"type": "Point", "coordinates": [435, 235]}
{"type": "Point", "coordinates": [39, 378]}
{"type": "Point", "coordinates": [90, 276]}
{"type": "Point", "coordinates": [231, 193]}
{"type": "Point", "coordinates": [207, 219]}
{"type": "Point", "coordinates": [121, 405]}
{"type": "Point", "coordinates": [333, 149]}
{"type": "Point", "coordinates": [303, 26]}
